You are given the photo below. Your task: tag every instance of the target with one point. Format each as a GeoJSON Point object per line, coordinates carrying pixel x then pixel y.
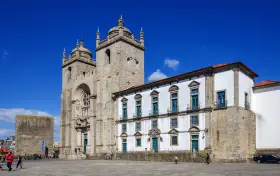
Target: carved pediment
{"type": "Point", "coordinates": [137, 134]}
{"type": "Point", "coordinates": [138, 96]}
{"type": "Point", "coordinates": [123, 135]}
{"type": "Point", "coordinates": [194, 84]}
{"type": "Point", "coordinates": [194, 129]}
{"type": "Point", "coordinates": [123, 100]}
{"type": "Point", "coordinates": [154, 92]}
{"type": "Point", "coordinates": [173, 88]}
{"type": "Point", "coordinates": [173, 131]}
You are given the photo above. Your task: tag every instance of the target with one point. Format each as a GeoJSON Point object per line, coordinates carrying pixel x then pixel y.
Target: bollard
{"type": "Point", "coordinates": [176, 160]}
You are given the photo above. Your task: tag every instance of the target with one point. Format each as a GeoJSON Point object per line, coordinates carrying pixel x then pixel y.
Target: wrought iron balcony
{"type": "Point", "coordinates": [247, 105]}
{"type": "Point", "coordinates": [137, 115]}
{"type": "Point", "coordinates": [173, 110]}
{"type": "Point", "coordinates": [123, 117]}
{"type": "Point", "coordinates": [153, 113]}
{"type": "Point", "coordinates": [220, 104]}
{"type": "Point", "coordinates": [193, 107]}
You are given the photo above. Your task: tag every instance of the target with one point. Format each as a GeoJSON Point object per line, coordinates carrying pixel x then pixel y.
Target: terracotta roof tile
{"type": "Point", "coordinates": [219, 65]}
{"type": "Point", "coordinates": [265, 83]}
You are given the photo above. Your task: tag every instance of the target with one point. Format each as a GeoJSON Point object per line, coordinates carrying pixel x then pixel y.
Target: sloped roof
{"type": "Point", "coordinates": [266, 83]}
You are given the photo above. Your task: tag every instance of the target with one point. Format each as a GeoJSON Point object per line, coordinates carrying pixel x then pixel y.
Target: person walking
{"type": "Point", "coordinates": [19, 163]}
{"type": "Point", "coordinates": [207, 158]}
{"type": "Point", "coordinates": [10, 159]}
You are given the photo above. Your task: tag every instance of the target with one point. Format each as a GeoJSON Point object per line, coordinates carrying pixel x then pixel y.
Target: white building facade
{"type": "Point", "coordinates": [176, 113]}
{"type": "Point", "coordinates": [266, 105]}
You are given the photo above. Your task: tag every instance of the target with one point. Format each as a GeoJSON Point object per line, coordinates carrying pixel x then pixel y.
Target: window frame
{"type": "Point", "coordinates": [174, 89]}
{"type": "Point", "coordinates": [124, 103]}
{"type": "Point", "coordinates": [136, 140]}
{"type": "Point", "coordinates": [171, 125]}
{"type": "Point", "coordinates": [177, 140]}
{"type": "Point", "coordinates": [152, 123]}
{"type": "Point", "coordinates": [153, 102]}
{"type": "Point", "coordinates": [191, 95]}
{"type": "Point", "coordinates": [124, 124]}
{"type": "Point", "coordinates": [225, 98]}
{"type": "Point", "coordinates": [136, 126]}
{"type": "Point", "coordinates": [196, 115]}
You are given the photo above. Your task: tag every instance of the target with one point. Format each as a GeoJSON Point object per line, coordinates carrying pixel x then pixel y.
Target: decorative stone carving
{"type": "Point", "coordinates": [154, 132]}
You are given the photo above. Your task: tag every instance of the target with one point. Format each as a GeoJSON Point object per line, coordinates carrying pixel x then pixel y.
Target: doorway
{"type": "Point", "coordinates": [85, 142]}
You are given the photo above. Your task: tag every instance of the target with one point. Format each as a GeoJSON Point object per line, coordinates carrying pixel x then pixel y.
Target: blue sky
{"type": "Point", "coordinates": [179, 36]}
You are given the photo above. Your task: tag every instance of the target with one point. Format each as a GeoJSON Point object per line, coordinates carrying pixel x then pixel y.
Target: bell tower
{"type": "Point", "coordinates": [119, 65]}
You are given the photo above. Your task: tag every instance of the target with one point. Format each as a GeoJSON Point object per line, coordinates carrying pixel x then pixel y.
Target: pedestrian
{"type": "Point", "coordinates": [19, 163]}
{"type": "Point", "coordinates": [10, 159]}
{"type": "Point", "coordinates": [207, 158]}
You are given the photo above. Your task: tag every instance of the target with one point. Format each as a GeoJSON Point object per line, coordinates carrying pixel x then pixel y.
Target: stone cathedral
{"type": "Point", "coordinates": [88, 112]}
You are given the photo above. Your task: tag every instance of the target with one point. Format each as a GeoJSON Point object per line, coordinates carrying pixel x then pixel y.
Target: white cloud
{"type": "Point", "coordinates": [157, 75]}
{"type": "Point", "coordinates": [171, 63]}
{"type": "Point", "coordinates": [8, 115]}
{"type": "Point", "coordinates": [5, 132]}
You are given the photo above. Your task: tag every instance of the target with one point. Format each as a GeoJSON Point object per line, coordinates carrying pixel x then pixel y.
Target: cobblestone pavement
{"type": "Point", "coordinates": [135, 168]}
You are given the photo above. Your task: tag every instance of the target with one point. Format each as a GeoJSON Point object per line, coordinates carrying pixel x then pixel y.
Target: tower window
{"type": "Point", "coordinates": [108, 56]}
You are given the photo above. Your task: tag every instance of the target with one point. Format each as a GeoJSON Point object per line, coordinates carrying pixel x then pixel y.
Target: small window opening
{"type": "Point", "coordinates": [108, 56]}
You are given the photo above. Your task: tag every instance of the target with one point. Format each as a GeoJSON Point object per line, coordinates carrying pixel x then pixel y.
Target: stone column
{"type": "Point", "coordinates": [236, 86]}
{"type": "Point", "coordinates": [209, 98]}
{"type": "Point", "coordinates": [79, 135]}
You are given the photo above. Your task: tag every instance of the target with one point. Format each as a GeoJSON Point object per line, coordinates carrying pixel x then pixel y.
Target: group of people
{"type": "Point", "coordinates": [10, 159]}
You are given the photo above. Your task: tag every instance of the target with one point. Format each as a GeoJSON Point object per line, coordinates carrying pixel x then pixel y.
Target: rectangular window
{"type": "Point", "coordinates": [194, 120]}
{"type": "Point", "coordinates": [155, 105]}
{"type": "Point", "coordinates": [124, 111]}
{"type": "Point", "coordinates": [138, 142]}
{"type": "Point", "coordinates": [138, 108]}
{"type": "Point", "coordinates": [174, 123]}
{"type": "Point", "coordinates": [174, 140]}
{"type": "Point", "coordinates": [174, 102]}
{"type": "Point", "coordinates": [123, 127]}
{"type": "Point", "coordinates": [138, 126]}
{"type": "Point", "coordinates": [194, 97]}
{"type": "Point", "coordinates": [154, 124]}
{"type": "Point", "coordinates": [221, 96]}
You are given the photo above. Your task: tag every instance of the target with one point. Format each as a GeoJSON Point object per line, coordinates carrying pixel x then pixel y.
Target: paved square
{"type": "Point", "coordinates": [135, 168]}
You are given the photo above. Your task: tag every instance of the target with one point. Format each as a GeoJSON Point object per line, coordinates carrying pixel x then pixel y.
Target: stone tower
{"type": "Point", "coordinates": [77, 83]}
{"type": "Point", "coordinates": [119, 65]}
{"type": "Point", "coordinates": [88, 111]}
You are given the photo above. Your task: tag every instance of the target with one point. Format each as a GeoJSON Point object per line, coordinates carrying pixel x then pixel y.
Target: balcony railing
{"type": "Point", "coordinates": [220, 104]}
{"type": "Point", "coordinates": [123, 117]}
{"type": "Point", "coordinates": [137, 115]}
{"type": "Point", "coordinates": [173, 110]}
{"type": "Point", "coordinates": [247, 105]}
{"type": "Point", "coordinates": [193, 107]}
{"type": "Point", "coordinates": [153, 113]}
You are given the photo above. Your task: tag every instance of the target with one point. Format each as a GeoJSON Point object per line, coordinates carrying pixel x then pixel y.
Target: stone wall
{"type": "Point", "coordinates": [31, 131]}
{"type": "Point", "coordinates": [183, 156]}
{"type": "Point", "coordinates": [233, 134]}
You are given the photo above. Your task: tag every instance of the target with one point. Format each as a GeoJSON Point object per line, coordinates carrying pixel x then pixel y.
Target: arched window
{"type": "Point", "coordinates": [108, 56]}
